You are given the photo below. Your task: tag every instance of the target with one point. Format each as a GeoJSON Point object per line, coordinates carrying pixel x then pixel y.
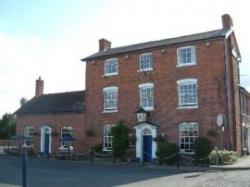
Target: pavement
{"type": "Point", "coordinates": [242, 163]}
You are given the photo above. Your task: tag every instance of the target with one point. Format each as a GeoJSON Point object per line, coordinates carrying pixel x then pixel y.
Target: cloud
{"type": "Point", "coordinates": [25, 55]}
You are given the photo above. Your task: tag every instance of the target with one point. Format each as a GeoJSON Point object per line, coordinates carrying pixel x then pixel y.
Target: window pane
{"type": "Point", "coordinates": [186, 55]}
{"type": "Point", "coordinates": [187, 94]}
{"type": "Point", "coordinates": [66, 132]}
{"type": "Point", "coordinates": [110, 99]}
{"type": "Point", "coordinates": [145, 61]}
{"type": "Point", "coordinates": [188, 132]}
{"type": "Point", "coordinates": [107, 138]}
{"type": "Point", "coordinates": [146, 97]}
{"type": "Point", "coordinates": [111, 66]}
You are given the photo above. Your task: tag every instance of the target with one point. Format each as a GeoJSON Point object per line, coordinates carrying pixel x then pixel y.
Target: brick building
{"type": "Point", "coordinates": [183, 83]}
{"type": "Point", "coordinates": [245, 119]}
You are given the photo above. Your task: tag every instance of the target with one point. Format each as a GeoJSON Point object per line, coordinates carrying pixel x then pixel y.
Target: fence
{"type": "Point", "coordinates": [7, 143]}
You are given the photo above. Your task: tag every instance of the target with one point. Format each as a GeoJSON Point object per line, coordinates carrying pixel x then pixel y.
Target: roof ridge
{"type": "Point", "coordinates": [58, 93]}
{"type": "Point", "coordinates": [165, 39]}
{"type": "Point", "coordinates": [158, 43]}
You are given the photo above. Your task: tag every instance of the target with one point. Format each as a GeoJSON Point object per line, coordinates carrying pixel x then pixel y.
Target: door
{"type": "Point", "coordinates": [147, 148]}
{"type": "Point", "coordinates": [46, 143]}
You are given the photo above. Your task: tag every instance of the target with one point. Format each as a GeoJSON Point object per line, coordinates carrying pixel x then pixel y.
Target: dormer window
{"type": "Point", "coordinates": [111, 67]}
{"type": "Point", "coordinates": [146, 62]}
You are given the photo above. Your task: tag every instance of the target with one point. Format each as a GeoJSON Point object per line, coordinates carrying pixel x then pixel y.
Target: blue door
{"type": "Point", "coordinates": [46, 144]}
{"type": "Point", "coordinates": [147, 148]}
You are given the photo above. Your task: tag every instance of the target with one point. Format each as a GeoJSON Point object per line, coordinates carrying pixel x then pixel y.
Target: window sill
{"type": "Point", "coordinates": [148, 108]}
{"type": "Point", "coordinates": [65, 148]}
{"type": "Point", "coordinates": [185, 65]}
{"type": "Point", "coordinates": [187, 153]}
{"type": "Point", "coordinates": [110, 111]}
{"type": "Point", "coordinates": [110, 74]}
{"type": "Point", "coordinates": [188, 107]}
{"type": "Point", "coordinates": [142, 70]}
{"type": "Point", "coordinates": [106, 150]}
{"type": "Point", "coordinates": [28, 146]}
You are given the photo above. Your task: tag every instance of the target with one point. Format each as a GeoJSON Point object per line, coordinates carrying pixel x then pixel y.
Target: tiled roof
{"type": "Point", "coordinates": [156, 44]}
{"type": "Point", "coordinates": [66, 102]}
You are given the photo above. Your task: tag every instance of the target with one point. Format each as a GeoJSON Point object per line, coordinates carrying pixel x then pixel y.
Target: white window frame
{"type": "Point", "coordinates": [109, 62]}
{"type": "Point", "coordinates": [113, 89]}
{"type": "Point", "coordinates": [187, 82]}
{"type": "Point", "coordinates": [151, 62]}
{"type": "Point", "coordinates": [193, 56]}
{"type": "Point", "coordinates": [63, 146]}
{"type": "Point", "coordinates": [107, 138]}
{"type": "Point", "coordinates": [146, 86]}
{"type": "Point", "coordinates": [184, 134]}
{"type": "Point", "coordinates": [28, 136]}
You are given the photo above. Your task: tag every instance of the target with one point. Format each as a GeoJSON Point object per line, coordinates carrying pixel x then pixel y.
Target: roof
{"type": "Point", "coordinates": [67, 102]}
{"type": "Point", "coordinates": [244, 90]}
{"type": "Point", "coordinates": [159, 43]}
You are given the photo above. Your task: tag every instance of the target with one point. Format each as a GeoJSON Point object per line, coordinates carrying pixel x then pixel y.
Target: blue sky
{"type": "Point", "coordinates": [47, 17]}
{"type": "Point", "coordinates": [48, 38]}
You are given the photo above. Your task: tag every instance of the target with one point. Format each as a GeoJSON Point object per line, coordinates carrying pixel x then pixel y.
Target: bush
{"type": "Point", "coordinates": [202, 148]}
{"type": "Point", "coordinates": [166, 149]}
{"type": "Point", "coordinates": [130, 154]}
{"type": "Point", "coordinates": [222, 156]}
{"type": "Point", "coordinates": [160, 139]}
{"type": "Point", "coordinates": [120, 140]}
{"type": "Point", "coordinates": [97, 148]}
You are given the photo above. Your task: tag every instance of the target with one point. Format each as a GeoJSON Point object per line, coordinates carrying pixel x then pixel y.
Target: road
{"type": "Point", "coordinates": [52, 173]}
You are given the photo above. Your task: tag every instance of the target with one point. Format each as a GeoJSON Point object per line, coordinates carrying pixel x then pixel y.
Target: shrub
{"type": "Point", "coordinates": [160, 139]}
{"type": "Point", "coordinates": [120, 140]}
{"type": "Point", "coordinates": [97, 148]}
{"type": "Point", "coordinates": [166, 149]}
{"type": "Point", "coordinates": [222, 156]}
{"type": "Point", "coordinates": [202, 148]}
{"type": "Point", "coordinates": [130, 154]}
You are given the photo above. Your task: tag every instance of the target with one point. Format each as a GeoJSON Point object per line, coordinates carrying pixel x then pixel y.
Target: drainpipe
{"type": "Point", "coordinates": [229, 96]}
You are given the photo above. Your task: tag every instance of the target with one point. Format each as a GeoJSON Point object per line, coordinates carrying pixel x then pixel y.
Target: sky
{"type": "Point", "coordinates": [48, 38]}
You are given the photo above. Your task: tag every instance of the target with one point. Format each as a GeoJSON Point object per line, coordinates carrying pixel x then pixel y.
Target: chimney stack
{"type": "Point", "coordinates": [227, 21]}
{"type": "Point", "coordinates": [104, 44]}
{"type": "Point", "coordinates": [39, 87]}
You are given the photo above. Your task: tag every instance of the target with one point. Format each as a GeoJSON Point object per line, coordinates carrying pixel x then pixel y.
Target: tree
{"type": "Point", "coordinates": [7, 126]}
{"type": "Point", "coordinates": [23, 101]}
{"type": "Point", "coordinates": [120, 140]}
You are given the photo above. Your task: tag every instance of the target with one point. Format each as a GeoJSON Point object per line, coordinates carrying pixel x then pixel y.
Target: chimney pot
{"type": "Point", "coordinates": [104, 44]}
{"type": "Point", "coordinates": [227, 21]}
{"type": "Point", "coordinates": [39, 87]}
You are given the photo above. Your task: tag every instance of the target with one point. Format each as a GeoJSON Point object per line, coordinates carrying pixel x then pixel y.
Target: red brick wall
{"type": "Point", "coordinates": [57, 121]}
{"type": "Point", "coordinates": [209, 71]}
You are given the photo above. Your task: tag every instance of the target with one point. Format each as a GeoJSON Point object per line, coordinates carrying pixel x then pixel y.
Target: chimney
{"type": "Point", "coordinates": [104, 44]}
{"type": "Point", "coordinates": [39, 87]}
{"type": "Point", "coordinates": [227, 21]}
